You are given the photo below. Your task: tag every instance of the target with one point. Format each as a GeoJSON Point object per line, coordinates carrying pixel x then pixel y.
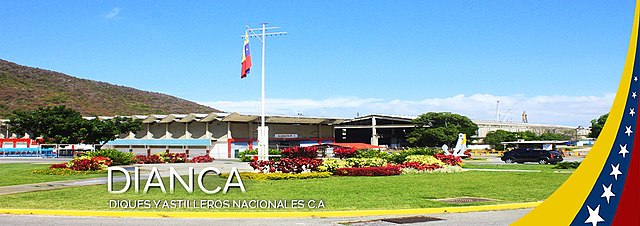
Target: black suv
{"type": "Point", "coordinates": [532, 155]}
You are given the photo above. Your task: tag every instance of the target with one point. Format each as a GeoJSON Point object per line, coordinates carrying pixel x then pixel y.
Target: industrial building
{"type": "Point", "coordinates": [222, 135]}
{"type": "Point", "coordinates": [391, 130]}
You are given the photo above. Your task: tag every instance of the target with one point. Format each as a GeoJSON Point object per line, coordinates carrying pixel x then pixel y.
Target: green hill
{"type": "Point", "coordinates": [28, 88]}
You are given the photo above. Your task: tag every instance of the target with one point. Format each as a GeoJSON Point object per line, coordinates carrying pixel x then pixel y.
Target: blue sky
{"type": "Point", "coordinates": [558, 60]}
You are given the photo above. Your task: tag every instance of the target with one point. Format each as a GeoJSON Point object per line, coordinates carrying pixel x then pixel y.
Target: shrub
{"type": "Point", "coordinates": [424, 159]}
{"type": "Point", "coordinates": [341, 152]}
{"type": "Point", "coordinates": [330, 165]}
{"type": "Point", "coordinates": [117, 157]}
{"type": "Point", "coordinates": [174, 157]}
{"type": "Point", "coordinates": [400, 157]}
{"type": "Point", "coordinates": [365, 162]}
{"type": "Point", "coordinates": [85, 163]}
{"type": "Point", "coordinates": [449, 159]}
{"type": "Point", "coordinates": [280, 176]}
{"type": "Point", "coordinates": [371, 153]}
{"type": "Point", "coordinates": [287, 165]}
{"type": "Point", "coordinates": [245, 155]}
{"type": "Point", "coordinates": [370, 171]}
{"type": "Point", "coordinates": [155, 158]}
{"type": "Point", "coordinates": [202, 159]}
{"type": "Point", "coordinates": [300, 152]}
{"type": "Point", "coordinates": [420, 166]}
{"type": "Point", "coordinates": [567, 165]}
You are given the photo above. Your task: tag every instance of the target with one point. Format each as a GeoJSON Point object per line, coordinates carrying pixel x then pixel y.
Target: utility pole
{"type": "Point", "coordinates": [498, 111]}
{"type": "Point", "coordinates": [263, 131]}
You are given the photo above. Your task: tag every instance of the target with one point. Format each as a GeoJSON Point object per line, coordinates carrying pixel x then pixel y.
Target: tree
{"type": "Point", "coordinates": [495, 138]}
{"type": "Point", "coordinates": [99, 131]}
{"type": "Point", "coordinates": [59, 124]}
{"type": "Point", "coordinates": [597, 124]}
{"type": "Point", "coordinates": [527, 135]}
{"type": "Point", "coordinates": [438, 128]}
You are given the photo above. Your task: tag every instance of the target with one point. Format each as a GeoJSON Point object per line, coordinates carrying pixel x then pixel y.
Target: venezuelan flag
{"type": "Point", "coordinates": [605, 189]}
{"type": "Point", "coordinates": [246, 57]}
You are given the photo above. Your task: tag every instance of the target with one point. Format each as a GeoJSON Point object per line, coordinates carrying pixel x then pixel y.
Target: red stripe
{"type": "Point", "coordinates": [629, 206]}
{"type": "Point", "coordinates": [246, 65]}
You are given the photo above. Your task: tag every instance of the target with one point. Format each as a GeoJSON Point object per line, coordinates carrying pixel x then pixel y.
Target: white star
{"type": "Point", "coordinates": [632, 111]}
{"type": "Point", "coordinates": [623, 151]}
{"type": "Point", "coordinates": [635, 78]}
{"type": "Point", "coordinates": [633, 94]}
{"type": "Point", "coordinates": [628, 132]}
{"type": "Point", "coordinates": [594, 216]}
{"type": "Point", "coordinates": [615, 171]}
{"type": "Point", "coordinates": [607, 192]}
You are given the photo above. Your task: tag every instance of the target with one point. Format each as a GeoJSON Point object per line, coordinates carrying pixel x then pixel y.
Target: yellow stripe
{"type": "Point", "coordinates": [301, 214]}
{"type": "Point", "coordinates": [563, 205]}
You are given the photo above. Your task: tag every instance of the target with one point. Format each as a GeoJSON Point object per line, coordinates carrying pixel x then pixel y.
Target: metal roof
{"type": "Point", "coordinates": [161, 142]}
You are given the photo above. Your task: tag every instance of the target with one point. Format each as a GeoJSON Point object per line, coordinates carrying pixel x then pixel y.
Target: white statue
{"type": "Point", "coordinates": [445, 149]}
{"type": "Point", "coordinates": [461, 145]}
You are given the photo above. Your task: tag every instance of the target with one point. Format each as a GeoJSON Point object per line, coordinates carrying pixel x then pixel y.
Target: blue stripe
{"type": "Point", "coordinates": [594, 199]}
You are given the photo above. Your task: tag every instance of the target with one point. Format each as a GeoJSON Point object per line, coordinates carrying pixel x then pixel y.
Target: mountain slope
{"type": "Point", "coordinates": [23, 87]}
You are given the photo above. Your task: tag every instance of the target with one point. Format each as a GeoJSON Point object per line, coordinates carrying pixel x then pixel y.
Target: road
{"type": "Point", "coordinates": [495, 159]}
{"type": "Point", "coordinates": [475, 218]}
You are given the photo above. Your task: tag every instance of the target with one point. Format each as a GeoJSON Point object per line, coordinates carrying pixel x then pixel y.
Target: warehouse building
{"type": "Point", "coordinates": [222, 135]}
{"type": "Point", "coordinates": [391, 130]}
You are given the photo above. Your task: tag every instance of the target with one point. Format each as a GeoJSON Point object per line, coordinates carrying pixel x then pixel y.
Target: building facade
{"type": "Point", "coordinates": [221, 135]}
{"type": "Point", "coordinates": [391, 131]}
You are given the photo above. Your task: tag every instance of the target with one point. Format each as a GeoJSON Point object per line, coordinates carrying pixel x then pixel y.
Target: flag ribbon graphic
{"type": "Point", "coordinates": [605, 189]}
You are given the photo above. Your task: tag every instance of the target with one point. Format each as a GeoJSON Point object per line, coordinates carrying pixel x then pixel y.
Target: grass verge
{"type": "Point", "coordinates": [338, 193]}
{"type": "Point", "coordinates": [20, 173]}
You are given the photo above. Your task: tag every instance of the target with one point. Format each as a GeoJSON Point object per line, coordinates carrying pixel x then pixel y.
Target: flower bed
{"type": "Point", "coordinates": [449, 159]}
{"type": "Point", "coordinates": [424, 159]}
{"type": "Point", "coordinates": [174, 157]}
{"type": "Point", "coordinates": [300, 152]}
{"type": "Point", "coordinates": [78, 166]}
{"type": "Point", "coordinates": [287, 165]}
{"type": "Point", "coordinates": [280, 176]}
{"type": "Point", "coordinates": [152, 159]}
{"type": "Point", "coordinates": [294, 160]}
{"type": "Point", "coordinates": [171, 158]}
{"type": "Point", "coordinates": [342, 153]}
{"type": "Point", "coordinates": [65, 172]}
{"type": "Point", "coordinates": [202, 159]}
{"type": "Point", "coordinates": [388, 170]}
{"type": "Point", "coordinates": [86, 163]}
{"type": "Point", "coordinates": [420, 166]}
{"type": "Point", "coordinates": [117, 157]}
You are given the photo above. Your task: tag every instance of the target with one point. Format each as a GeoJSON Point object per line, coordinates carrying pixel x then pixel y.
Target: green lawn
{"type": "Point", "coordinates": [338, 193]}
{"type": "Point", "coordinates": [20, 173]}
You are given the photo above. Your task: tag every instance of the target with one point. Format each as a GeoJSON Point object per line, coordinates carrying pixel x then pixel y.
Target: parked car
{"type": "Point", "coordinates": [532, 155]}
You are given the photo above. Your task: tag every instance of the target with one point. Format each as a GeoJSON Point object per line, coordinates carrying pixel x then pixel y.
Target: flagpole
{"type": "Point", "coordinates": [264, 144]}
{"type": "Point", "coordinates": [263, 131]}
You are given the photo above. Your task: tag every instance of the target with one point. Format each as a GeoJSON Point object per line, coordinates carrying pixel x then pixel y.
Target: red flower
{"type": "Point", "coordinates": [449, 159]}
{"type": "Point", "coordinates": [202, 159]}
{"type": "Point", "coordinates": [341, 152]}
{"type": "Point", "coordinates": [388, 170]}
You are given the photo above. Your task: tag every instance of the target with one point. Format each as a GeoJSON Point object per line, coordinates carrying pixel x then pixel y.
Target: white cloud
{"type": "Point", "coordinates": [113, 14]}
{"type": "Point", "coordinates": [557, 109]}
